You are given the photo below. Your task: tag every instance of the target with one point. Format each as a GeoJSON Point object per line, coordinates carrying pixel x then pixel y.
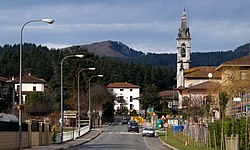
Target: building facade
{"type": "Point", "coordinates": [235, 76]}
{"type": "Point", "coordinates": [127, 96]}
{"type": "Point", "coordinates": [29, 84]}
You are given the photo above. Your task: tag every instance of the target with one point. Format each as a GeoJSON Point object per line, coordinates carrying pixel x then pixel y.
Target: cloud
{"type": "Point", "coordinates": [56, 45]}
{"type": "Point", "coordinates": [145, 24]}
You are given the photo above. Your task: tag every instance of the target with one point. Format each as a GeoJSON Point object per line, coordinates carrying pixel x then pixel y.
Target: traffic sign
{"type": "Point", "coordinates": [166, 125]}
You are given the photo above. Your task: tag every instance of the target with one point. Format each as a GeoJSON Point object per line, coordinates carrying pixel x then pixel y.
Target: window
{"type": "Point", "coordinates": [131, 98]}
{"type": "Point", "coordinates": [34, 88]}
{"type": "Point", "coordinates": [18, 88]}
{"type": "Point", "coordinates": [131, 106]}
{"type": "Point", "coordinates": [131, 89]}
{"type": "Point", "coordinates": [121, 89]}
{"type": "Point", "coordinates": [183, 50]}
{"type": "Point", "coordinates": [120, 99]}
{"type": "Point", "coordinates": [243, 75]}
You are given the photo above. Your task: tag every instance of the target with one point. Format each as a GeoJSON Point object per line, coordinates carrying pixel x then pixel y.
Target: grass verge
{"type": "Point", "coordinates": [179, 140]}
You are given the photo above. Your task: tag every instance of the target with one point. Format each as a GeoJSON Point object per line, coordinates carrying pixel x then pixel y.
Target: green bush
{"type": "Point", "coordinates": [231, 126]}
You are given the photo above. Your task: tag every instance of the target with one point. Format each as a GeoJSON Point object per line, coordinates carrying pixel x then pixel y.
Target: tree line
{"type": "Point", "coordinates": [45, 63]}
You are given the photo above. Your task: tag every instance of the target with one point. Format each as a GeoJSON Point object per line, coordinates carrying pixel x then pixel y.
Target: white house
{"type": "Point", "coordinates": [126, 94]}
{"type": "Point", "coordinates": [29, 84]}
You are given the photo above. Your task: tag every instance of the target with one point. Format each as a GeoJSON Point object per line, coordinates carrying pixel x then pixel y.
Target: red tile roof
{"type": "Point", "coordinates": [202, 86]}
{"type": "Point", "coordinates": [202, 72]}
{"type": "Point", "coordinates": [243, 61]}
{"type": "Point", "coordinates": [30, 79]}
{"type": "Point", "coordinates": [166, 93]}
{"type": "Point", "coordinates": [205, 86]}
{"type": "Point", "coordinates": [122, 85]}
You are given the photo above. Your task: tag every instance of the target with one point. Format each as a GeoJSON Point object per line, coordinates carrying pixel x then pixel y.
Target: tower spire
{"type": "Point", "coordinates": [184, 30]}
{"type": "Point", "coordinates": [183, 49]}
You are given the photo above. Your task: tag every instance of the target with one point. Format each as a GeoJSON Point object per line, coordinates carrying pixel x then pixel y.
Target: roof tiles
{"type": "Point", "coordinates": [202, 72]}
{"type": "Point", "coordinates": [122, 85]}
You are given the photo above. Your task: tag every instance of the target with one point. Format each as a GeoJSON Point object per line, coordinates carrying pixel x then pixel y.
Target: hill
{"type": "Point", "coordinates": [112, 49]}
{"type": "Point", "coordinates": [120, 51]}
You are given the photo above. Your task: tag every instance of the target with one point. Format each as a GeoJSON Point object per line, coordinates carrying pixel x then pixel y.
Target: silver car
{"type": "Point", "coordinates": [148, 131]}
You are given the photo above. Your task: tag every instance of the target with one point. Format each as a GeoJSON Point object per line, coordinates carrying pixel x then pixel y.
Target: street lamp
{"type": "Point", "coordinates": [89, 112]}
{"type": "Point", "coordinates": [49, 21]}
{"type": "Point", "coordinates": [62, 118]}
{"type": "Point", "coordinates": [78, 96]}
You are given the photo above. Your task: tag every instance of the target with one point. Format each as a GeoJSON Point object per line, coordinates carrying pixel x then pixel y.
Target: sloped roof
{"type": "Point", "coordinates": [243, 61]}
{"type": "Point", "coordinates": [3, 79]}
{"type": "Point", "coordinates": [122, 85]}
{"type": "Point", "coordinates": [30, 79]}
{"type": "Point", "coordinates": [202, 86]}
{"type": "Point", "coordinates": [202, 72]}
{"type": "Point", "coordinates": [205, 85]}
{"type": "Point", "coordinates": [167, 93]}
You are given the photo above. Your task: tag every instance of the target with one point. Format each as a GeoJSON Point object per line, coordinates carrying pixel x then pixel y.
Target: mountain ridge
{"type": "Point", "coordinates": [112, 49]}
{"type": "Point", "coordinates": [118, 50]}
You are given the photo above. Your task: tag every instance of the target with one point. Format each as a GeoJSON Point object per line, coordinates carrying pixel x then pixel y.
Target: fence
{"type": "Point", "coordinates": [232, 143]}
{"type": "Point", "coordinates": [10, 139]}
{"type": "Point", "coordinates": [73, 134]}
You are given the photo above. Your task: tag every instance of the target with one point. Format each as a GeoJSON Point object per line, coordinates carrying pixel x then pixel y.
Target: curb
{"type": "Point", "coordinates": [163, 142]}
{"type": "Point", "coordinates": [86, 141]}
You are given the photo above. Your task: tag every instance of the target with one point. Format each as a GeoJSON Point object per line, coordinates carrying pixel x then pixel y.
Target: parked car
{"type": "Point", "coordinates": [125, 119]}
{"type": "Point", "coordinates": [148, 131]}
{"type": "Point", "coordinates": [131, 121]}
{"type": "Point", "coordinates": [133, 126]}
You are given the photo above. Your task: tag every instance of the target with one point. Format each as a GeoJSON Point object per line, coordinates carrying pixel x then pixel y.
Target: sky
{"type": "Point", "coordinates": [144, 25]}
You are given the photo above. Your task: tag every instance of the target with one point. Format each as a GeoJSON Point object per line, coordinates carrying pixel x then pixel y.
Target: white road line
{"type": "Point", "coordinates": [146, 143]}
{"type": "Point", "coordinates": [131, 133]}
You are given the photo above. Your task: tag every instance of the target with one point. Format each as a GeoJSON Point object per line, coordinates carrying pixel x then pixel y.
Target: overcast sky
{"type": "Point", "coordinates": [144, 25]}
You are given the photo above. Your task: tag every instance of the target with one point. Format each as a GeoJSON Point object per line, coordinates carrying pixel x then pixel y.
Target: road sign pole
{"type": "Point", "coordinates": [166, 128]}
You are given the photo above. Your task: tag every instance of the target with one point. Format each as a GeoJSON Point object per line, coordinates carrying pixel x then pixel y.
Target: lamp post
{"type": "Point", "coordinates": [78, 96]}
{"type": "Point", "coordinates": [89, 112]}
{"type": "Point", "coordinates": [62, 118]}
{"type": "Point", "coordinates": [49, 21]}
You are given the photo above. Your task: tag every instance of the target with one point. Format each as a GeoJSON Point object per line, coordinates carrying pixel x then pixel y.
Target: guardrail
{"type": "Point", "coordinates": [71, 135]}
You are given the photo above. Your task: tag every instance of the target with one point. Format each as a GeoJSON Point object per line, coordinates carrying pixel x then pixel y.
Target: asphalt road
{"type": "Point", "coordinates": [116, 137]}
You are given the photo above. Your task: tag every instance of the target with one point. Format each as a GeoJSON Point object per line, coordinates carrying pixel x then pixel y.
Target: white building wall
{"type": "Point", "coordinates": [29, 87]}
{"type": "Point", "coordinates": [126, 93]}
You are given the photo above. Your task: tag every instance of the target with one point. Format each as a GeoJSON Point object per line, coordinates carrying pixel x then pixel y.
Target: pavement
{"type": "Point", "coordinates": [73, 143]}
{"type": "Point", "coordinates": [147, 123]}
{"type": "Point", "coordinates": [84, 139]}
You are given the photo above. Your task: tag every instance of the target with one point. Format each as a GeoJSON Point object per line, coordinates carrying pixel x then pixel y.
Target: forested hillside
{"type": "Point", "coordinates": [120, 51]}
{"type": "Point", "coordinates": [148, 71]}
{"type": "Point", "coordinates": [44, 63]}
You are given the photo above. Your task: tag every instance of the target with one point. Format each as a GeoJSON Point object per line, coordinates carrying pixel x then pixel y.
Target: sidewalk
{"type": "Point", "coordinates": [70, 144]}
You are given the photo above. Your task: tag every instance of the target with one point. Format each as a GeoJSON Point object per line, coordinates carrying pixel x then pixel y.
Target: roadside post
{"type": "Point", "coordinates": [166, 128]}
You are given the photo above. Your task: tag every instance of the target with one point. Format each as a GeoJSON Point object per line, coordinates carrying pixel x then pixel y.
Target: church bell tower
{"type": "Point", "coordinates": [183, 50]}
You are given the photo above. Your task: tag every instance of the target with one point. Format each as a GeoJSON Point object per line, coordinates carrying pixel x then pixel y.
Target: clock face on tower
{"type": "Point", "coordinates": [183, 50]}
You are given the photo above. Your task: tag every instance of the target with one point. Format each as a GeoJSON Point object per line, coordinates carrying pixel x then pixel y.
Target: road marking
{"type": "Point", "coordinates": [130, 133]}
{"type": "Point", "coordinates": [146, 143]}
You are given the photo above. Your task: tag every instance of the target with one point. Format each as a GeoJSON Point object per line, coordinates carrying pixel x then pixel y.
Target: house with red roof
{"type": "Point", "coordinates": [127, 95]}
{"type": "Point", "coordinates": [200, 82]}
{"type": "Point", "coordinates": [235, 78]}
{"type": "Point", "coordinates": [29, 84]}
